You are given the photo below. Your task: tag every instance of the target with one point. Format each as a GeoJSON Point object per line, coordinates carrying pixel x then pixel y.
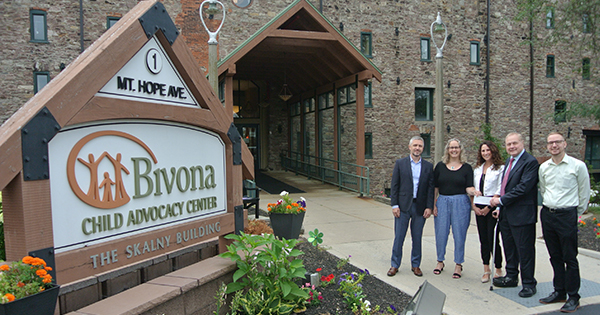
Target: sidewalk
{"type": "Point", "coordinates": [363, 228]}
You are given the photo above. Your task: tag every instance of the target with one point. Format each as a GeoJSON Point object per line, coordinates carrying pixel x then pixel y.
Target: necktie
{"type": "Point", "coordinates": [505, 179]}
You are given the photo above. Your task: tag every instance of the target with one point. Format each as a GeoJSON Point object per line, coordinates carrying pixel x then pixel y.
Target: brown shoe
{"type": "Point", "coordinates": [417, 271]}
{"type": "Point", "coordinates": [392, 272]}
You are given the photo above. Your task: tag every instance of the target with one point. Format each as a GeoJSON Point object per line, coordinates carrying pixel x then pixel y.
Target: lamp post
{"type": "Point", "coordinates": [437, 27]}
{"type": "Point", "coordinates": [212, 10]}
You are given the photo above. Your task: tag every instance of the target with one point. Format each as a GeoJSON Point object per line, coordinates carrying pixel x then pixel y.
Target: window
{"type": "Point", "coordinates": [111, 20]}
{"type": "Point", "coordinates": [368, 95]}
{"type": "Point", "coordinates": [39, 30]}
{"type": "Point", "coordinates": [550, 66]}
{"type": "Point", "coordinates": [425, 54]}
{"type": "Point", "coordinates": [585, 69]}
{"type": "Point", "coordinates": [475, 53]}
{"type": "Point", "coordinates": [368, 145]}
{"type": "Point", "coordinates": [586, 23]}
{"type": "Point", "coordinates": [295, 109]}
{"type": "Point", "coordinates": [426, 145]}
{"type": "Point", "coordinates": [222, 91]}
{"type": "Point", "coordinates": [592, 148]}
{"type": "Point", "coordinates": [560, 107]}
{"type": "Point", "coordinates": [550, 18]}
{"type": "Point", "coordinates": [346, 95]}
{"type": "Point", "coordinates": [365, 44]}
{"type": "Point", "coordinates": [309, 105]}
{"type": "Point", "coordinates": [423, 104]}
{"type": "Point", "coordinates": [40, 79]}
{"type": "Point", "coordinates": [326, 100]}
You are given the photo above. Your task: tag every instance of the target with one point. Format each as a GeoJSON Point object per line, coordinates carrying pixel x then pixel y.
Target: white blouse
{"type": "Point", "coordinates": [493, 180]}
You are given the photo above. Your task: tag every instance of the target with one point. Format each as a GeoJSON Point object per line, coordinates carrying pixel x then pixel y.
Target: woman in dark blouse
{"type": "Point", "coordinates": [452, 207]}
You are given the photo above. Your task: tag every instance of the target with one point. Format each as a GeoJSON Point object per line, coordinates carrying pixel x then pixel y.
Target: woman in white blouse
{"type": "Point", "coordinates": [487, 179]}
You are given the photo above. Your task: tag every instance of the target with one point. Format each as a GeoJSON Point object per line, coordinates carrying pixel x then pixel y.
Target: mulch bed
{"type": "Point", "coordinates": [586, 236]}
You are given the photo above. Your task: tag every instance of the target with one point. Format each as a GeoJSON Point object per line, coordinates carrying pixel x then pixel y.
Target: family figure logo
{"type": "Point", "coordinates": [92, 197]}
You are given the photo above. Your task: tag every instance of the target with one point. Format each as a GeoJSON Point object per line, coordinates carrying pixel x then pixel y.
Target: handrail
{"type": "Point", "coordinates": [345, 175]}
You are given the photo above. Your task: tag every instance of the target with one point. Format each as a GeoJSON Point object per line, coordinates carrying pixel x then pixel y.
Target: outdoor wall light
{"type": "Point", "coordinates": [569, 132]}
{"type": "Point", "coordinates": [341, 26]}
{"type": "Point", "coordinates": [449, 36]}
{"type": "Point", "coordinates": [448, 128]}
{"type": "Point", "coordinates": [398, 81]}
{"type": "Point", "coordinates": [397, 31]}
{"type": "Point", "coordinates": [449, 84]}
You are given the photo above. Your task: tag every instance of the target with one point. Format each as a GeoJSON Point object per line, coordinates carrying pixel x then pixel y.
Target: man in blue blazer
{"type": "Point", "coordinates": [412, 200]}
{"type": "Point", "coordinates": [518, 216]}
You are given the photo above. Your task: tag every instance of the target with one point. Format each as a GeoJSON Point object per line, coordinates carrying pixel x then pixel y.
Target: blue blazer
{"type": "Point", "coordinates": [519, 202]}
{"type": "Point", "coordinates": [402, 186]}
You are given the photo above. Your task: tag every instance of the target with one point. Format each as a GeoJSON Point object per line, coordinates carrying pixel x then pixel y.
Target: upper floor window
{"type": "Point", "coordinates": [368, 95]}
{"type": "Point", "coordinates": [366, 41]}
{"type": "Point", "coordinates": [368, 145]}
{"type": "Point", "coordinates": [40, 79]}
{"type": "Point", "coordinates": [550, 18]}
{"type": "Point", "coordinates": [425, 53]}
{"type": "Point", "coordinates": [309, 105]}
{"type": "Point", "coordinates": [550, 66]}
{"type": "Point", "coordinates": [585, 69]}
{"type": "Point", "coordinates": [39, 29]}
{"type": "Point", "coordinates": [423, 104]}
{"type": "Point", "coordinates": [111, 20]}
{"type": "Point", "coordinates": [475, 53]}
{"type": "Point", "coordinates": [560, 107]}
{"type": "Point", "coordinates": [592, 148]}
{"type": "Point", "coordinates": [346, 94]}
{"type": "Point", "coordinates": [585, 19]}
{"type": "Point", "coordinates": [326, 100]}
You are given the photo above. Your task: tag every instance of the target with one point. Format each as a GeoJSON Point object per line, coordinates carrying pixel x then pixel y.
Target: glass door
{"type": "Point", "coordinates": [250, 135]}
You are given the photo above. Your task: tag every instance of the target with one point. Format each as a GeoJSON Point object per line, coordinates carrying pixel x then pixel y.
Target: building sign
{"type": "Point", "coordinates": [115, 179]}
{"type": "Point", "coordinates": [149, 76]}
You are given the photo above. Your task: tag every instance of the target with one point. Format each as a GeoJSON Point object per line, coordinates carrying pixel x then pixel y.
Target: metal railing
{"type": "Point", "coordinates": [345, 175]}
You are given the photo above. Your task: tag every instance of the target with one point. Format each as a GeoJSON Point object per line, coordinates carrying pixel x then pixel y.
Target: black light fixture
{"type": "Point", "coordinates": [341, 26]}
{"type": "Point", "coordinates": [397, 31]}
{"type": "Point", "coordinates": [449, 84]}
{"type": "Point", "coordinates": [449, 36]}
{"type": "Point", "coordinates": [569, 132]}
{"type": "Point", "coordinates": [448, 128]}
{"type": "Point", "coordinates": [398, 81]}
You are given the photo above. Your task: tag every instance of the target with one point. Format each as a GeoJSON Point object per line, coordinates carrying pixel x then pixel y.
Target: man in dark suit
{"type": "Point", "coordinates": [412, 200]}
{"type": "Point", "coordinates": [518, 215]}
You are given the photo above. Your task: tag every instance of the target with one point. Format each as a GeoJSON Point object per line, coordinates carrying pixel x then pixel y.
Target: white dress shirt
{"type": "Point", "coordinates": [566, 184]}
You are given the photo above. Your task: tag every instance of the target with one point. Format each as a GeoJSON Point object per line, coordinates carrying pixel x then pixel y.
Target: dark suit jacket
{"type": "Point", "coordinates": [519, 203]}
{"type": "Point", "coordinates": [402, 186]}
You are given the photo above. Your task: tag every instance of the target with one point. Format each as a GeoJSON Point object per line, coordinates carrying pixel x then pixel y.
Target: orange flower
{"type": "Point", "coordinates": [27, 259]}
{"type": "Point", "coordinates": [268, 208]}
{"type": "Point", "coordinates": [47, 279]}
{"type": "Point", "coordinates": [4, 267]}
{"type": "Point", "coordinates": [41, 273]}
{"type": "Point", "coordinates": [294, 204]}
{"type": "Point", "coordinates": [598, 224]}
{"type": "Point", "coordinates": [48, 268]}
{"type": "Point", "coordinates": [10, 297]}
{"type": "Point", "coordinates": [289, 207]}
{"type": "Point", "coordinates": [20, 284]}
{"type": "Point", "coordinates": [42, 289]}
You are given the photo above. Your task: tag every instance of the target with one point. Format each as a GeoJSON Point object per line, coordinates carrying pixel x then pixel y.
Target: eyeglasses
{"type": "Point", "coordinates": [453, 148]}
{"type": "Point", "coordinates": [555, 142]}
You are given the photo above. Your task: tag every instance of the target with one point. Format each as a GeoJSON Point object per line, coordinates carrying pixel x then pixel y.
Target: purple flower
{"type": "Point", "coordinates": [367, 271]}
{"type": "Point", "coordinates": [392, 307]}
{"type": "Point", "coordinates": [302, 203]}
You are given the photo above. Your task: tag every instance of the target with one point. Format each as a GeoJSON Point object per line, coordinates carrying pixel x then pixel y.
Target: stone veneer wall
{"type": "Point", "coordinates": [391, 120]}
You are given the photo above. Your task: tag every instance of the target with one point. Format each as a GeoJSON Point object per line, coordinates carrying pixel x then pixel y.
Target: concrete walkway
{"type": "Point", "coordinates": [363, 228]}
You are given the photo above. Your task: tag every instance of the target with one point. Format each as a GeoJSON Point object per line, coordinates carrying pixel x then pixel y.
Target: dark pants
{"type": "Point", "coordinates": [560, 233]}
{"type": "Point", "coordinates": [519, 249]}
{"type": "Point", "coordinates": [417, 222]}
{"type": "Point", "coordinates": [485, 227]}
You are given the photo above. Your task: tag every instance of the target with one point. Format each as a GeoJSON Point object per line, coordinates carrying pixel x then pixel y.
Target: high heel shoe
{"type": "Point", "coordinates": [437, 271]}
{"type": "Point", "coordinates": [457, 275]}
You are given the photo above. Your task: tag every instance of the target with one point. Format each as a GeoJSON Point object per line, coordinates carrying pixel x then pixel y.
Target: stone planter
{"type": "Point", "coordinates": [42, 303]}
{"type": "Point", "coordinates": [286, 225]}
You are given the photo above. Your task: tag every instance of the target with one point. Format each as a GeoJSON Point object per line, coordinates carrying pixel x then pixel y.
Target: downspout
{"type": "Point", "coordinates": [81, 24]}
{"type": "Point", "coordinates": [487, 68]}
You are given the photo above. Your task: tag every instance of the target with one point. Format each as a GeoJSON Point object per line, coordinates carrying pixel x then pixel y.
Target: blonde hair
{"type": "Point", "coordinates": [446, 157]}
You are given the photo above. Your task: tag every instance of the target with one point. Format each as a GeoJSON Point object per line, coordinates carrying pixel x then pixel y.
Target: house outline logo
{"type": "Point", "coordinates": [92, 197]}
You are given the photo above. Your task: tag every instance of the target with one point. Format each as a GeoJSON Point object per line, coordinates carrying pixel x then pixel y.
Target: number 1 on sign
{"type": "Point", "coordinates": [153, 61]}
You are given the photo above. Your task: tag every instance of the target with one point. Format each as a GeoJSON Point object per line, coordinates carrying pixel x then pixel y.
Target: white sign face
{"type": "Point", "coordinates": [115, 179]}
{"type": "Point", "coordinates": [149, 76]}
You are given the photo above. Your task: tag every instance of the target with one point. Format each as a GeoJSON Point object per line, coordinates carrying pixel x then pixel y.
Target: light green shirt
{"type": "Point", "coordinates": [566, 184]}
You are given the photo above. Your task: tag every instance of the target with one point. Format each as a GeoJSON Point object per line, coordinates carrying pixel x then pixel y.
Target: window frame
{"type": "Point", "coordinates": [368, 145]}
{"type": "Point", "coordinates": [550, 66]}
{"type": "Point", "coordinates": [560, 107]}
{"type": "Point", "coordinates": [591, 156]}
{"type": "Point", "coordinates": [585, 18]}
{"type": "Point", "coordinates": [550, 18]}
{"type": "Point", "coordinates": [35, 80]}
{"type": "Point", "coordinates": [428, 41]}
{"type": "Point", "coordinates": [478, 62]}
{"type": "Point", "coordinates": [369, 95]}
{"type": "Point", "coordinates": [369, 36]}
{"type": "Point", "coordinates": [32, 14]}
{"type": "Point", "coordinates": [111, 19]}
{"type": "Point", "coordinates": [586, 69]}
{"type": "Point", "coordinates": [429, 115]}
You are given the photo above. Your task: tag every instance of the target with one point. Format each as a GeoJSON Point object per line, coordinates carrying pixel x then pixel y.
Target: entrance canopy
{"type": "Point", "coordinates": [302, 48]}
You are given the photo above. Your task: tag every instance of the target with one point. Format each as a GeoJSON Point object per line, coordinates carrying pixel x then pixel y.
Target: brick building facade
{"type": "Point", "coordinates": [396, 30]}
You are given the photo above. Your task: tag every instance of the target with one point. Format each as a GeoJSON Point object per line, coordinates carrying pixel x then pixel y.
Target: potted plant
{"type": "Point", "coordinates": [287, 216]}
{"type": "Point", "coordinates": [26, 287]}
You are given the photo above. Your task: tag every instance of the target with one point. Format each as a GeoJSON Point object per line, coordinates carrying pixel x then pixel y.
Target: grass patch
{"type": "Point", "coordinates": [594, 210]}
